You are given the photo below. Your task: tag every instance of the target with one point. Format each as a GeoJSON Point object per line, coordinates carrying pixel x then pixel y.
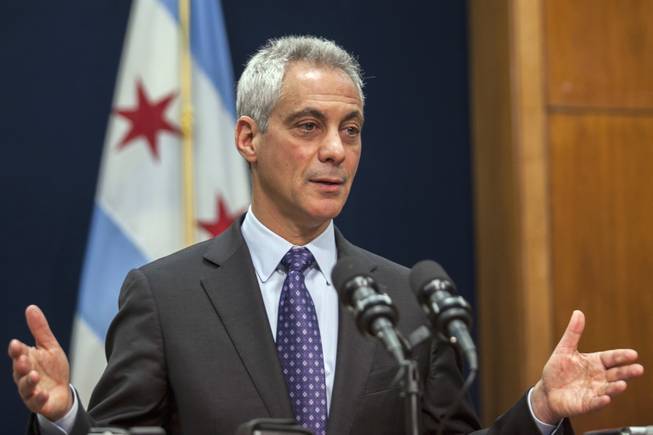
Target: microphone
{"type": "Point", "coordinates": [449, 313]}
{"type": "Point", "coordinates": [373, 310]}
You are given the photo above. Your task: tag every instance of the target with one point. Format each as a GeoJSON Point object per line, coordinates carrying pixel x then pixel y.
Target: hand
{"type": "Point", "coordinates": [41, 373]}
{"type": "Point", "coordinates": [575, 383]}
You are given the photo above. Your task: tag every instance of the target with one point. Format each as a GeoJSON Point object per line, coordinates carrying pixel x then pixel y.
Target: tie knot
{"type": "Point", "coordinates": [297, 259]}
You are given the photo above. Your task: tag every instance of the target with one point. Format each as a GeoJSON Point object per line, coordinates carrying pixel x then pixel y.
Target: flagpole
{"type": "Point", "coordinates": [188, 172]}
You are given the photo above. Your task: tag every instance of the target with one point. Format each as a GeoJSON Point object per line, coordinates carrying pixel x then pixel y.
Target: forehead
{"type": "Point", "coordinates": [307, 82]}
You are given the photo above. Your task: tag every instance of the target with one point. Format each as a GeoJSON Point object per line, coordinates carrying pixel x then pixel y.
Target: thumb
{"type": "Point", "coordinates": [570, 339]}
{"type": "Point", "coordinates": [38, 326]}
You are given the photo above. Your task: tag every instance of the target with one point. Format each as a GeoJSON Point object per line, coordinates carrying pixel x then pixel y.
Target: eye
{"type": "Point", "coordinates": [308, 126]}
{"type": "Point", "coordinates": [352, 130]}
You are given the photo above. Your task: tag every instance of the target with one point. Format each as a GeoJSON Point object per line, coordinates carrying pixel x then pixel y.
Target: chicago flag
{"type": "Point", "coordinates": [139, 207]}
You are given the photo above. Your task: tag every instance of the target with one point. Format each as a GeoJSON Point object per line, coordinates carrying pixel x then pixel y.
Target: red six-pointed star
{"type": "Point", "coordinates": [222, 220]}
{"type": "Point", "coordinates": [147, 120]}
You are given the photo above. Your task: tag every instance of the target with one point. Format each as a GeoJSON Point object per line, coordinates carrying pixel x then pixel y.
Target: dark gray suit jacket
{"type": "Point", "coordinates": [191, 350]}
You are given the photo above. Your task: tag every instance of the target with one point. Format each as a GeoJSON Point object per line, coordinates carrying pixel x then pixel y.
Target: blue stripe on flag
{"type": "Point", "coordinates": [209, 45]}
{"type": "Point", "coordinates": [109, 256]}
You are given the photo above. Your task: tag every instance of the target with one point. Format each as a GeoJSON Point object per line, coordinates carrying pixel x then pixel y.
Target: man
{"type": "Point", "coordinates": [248, 325]}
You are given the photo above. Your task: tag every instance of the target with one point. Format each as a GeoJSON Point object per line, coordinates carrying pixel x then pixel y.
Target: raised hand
{"type": "Point", "coordinates": [575, 383]}
{"type": "Point", "coordinates": [41, 372]}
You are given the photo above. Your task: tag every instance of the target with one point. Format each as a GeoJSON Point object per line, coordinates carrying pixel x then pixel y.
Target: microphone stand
{"type": "Point", "coordinates": [410, 391]}
{"type": "Point", "coordinates": [408, 377]}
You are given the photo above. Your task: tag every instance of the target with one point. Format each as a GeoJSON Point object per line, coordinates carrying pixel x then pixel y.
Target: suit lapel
{"type": "Point", "coordinates": [234, 292]}
{"type": "Point", "coordinates": [353, 362]}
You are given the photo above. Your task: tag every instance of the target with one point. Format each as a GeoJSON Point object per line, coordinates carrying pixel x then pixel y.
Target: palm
{"type": "Point", "coordinates": [575, 383]}
{"type": "Point", "coordinates": [52, 365]}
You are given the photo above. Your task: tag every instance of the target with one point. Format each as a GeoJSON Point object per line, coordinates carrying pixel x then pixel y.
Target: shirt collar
{"type": "Point", "coordinates": [268, 248]}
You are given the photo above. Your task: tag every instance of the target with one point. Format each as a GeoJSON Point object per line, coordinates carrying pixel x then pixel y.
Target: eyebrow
{"type": "Point", "coordinates": [355, 114]}
{"type": "Point", "coordinates": [309, 111]}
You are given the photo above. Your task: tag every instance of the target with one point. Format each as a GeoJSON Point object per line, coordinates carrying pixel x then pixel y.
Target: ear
{"type": "Point", "coordinates": [247, 134]}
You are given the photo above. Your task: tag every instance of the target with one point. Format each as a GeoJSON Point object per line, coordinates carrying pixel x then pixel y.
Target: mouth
{"type": "Point", "coordinates": [328, 184]}
{"type": "Point", "coordinates": [329, 180]}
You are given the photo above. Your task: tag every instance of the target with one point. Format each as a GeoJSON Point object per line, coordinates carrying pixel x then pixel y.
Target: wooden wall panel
{"type": "Point", "coordinates": [563, 163]}
{"type": "Point", "coordinates": [530, 153]}
{"type": "Point", "coordinates": [602, 243]}
{"type": "Point", "coordinates": [497, 208]}
{"type": "Point", "coordinates": [600, 53]}
{"type": "Point", "coordinates": [509, 125]}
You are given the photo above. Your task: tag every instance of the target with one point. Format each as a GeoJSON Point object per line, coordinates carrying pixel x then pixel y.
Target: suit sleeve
{"type": "Point", "coordinates": [518, 420]}
{"type": "Point", "coordinates": [442, 387]}
{"type": "Point", "coordinates": [133, 390]}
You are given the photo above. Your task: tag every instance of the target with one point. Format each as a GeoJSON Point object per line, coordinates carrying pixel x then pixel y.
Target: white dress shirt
{"type": "Point", "coordinates": [267, 249]}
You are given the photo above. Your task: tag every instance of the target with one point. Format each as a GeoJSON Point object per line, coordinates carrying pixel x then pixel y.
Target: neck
{"type": "Point", "coordinates": [294, 232]}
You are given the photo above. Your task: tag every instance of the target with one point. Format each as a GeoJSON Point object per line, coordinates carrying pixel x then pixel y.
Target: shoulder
{"type": "Point", "coordinates": [182, 259]}
{"type": "Point", "coordinates": [200, 257]}
{"type": "Point", "coordinates": [382, 267]}
{"type": "Point", "coordinates": [385, 266]}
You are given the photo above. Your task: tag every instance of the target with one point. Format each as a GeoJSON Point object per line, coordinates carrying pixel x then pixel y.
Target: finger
{"type": "Point", "coordinates": [614, 388]}
{"type": "Point", "coordinates": [38, 326]}
{"type": "Point", "coordinates": [571, 337]}
{"type": "Point", "coordinates": [36, 402]}
{"type": "Point", "coordinates": [27, 385]}
{"type": "Point", "coordinates": [17, 348]}
{"type": "Point", "coordinates": [624, 372]}
{"type": "Point", "coordinates": [617, 357]}
{"type": "Point", "coordinates": [22, 367]}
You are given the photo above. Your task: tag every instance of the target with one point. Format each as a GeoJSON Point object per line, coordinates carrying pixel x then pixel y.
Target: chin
{"type": "Point", "coordinates": [326, 210]}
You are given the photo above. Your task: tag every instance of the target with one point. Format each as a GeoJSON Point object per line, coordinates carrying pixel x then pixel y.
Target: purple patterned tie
{"type": "Point", "coordinates": [299, 346]}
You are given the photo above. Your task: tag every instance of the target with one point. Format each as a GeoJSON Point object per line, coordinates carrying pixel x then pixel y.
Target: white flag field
{"type": "Point", "coordinates": [139, 208]}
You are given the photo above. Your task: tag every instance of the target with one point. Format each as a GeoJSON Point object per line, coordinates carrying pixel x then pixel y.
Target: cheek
{"type": "Point", "coordinates": [352, 161]}
{"type": "Point", "coordinates": [291, 174]}
{"type": "Point", "coordinates": [299, 163]}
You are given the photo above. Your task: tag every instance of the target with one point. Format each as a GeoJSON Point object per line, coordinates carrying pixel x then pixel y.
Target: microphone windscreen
{"type": "Point", "coordinates": [348, 268]}
{"type": "Point", "coordinates": [424, 272]}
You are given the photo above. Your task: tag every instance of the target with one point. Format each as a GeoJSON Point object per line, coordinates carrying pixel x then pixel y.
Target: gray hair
{"type": "Point", "coordinates": [259, 87]}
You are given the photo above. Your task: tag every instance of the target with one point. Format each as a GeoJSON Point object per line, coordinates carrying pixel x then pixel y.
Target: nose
{"type": "Point", "coordinates": [332, 149]}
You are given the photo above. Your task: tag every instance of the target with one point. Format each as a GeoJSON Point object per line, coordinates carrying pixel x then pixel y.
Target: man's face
{"type": "Point", "coordinates": [306, 160]}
